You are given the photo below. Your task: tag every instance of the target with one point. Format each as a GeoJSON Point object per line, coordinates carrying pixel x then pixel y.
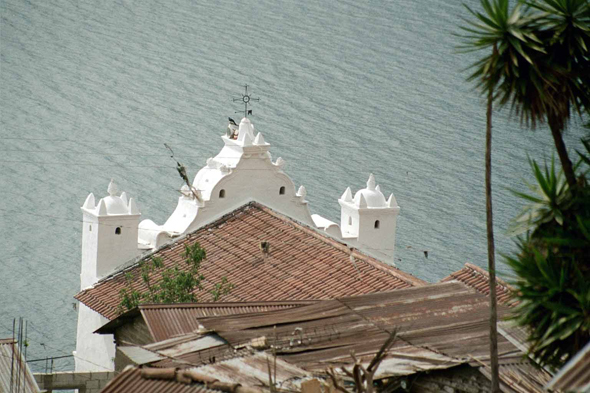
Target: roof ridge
{"type": "Point", "coordinates": [406, 277]}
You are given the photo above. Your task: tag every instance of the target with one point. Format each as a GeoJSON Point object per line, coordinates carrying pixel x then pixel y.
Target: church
{"type": "Point", "coordinates": [238, 200]}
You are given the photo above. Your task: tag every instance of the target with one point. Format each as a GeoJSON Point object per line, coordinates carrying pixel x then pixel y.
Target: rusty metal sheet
{"type": "Point", "coordinates": [170, 320]}
{"type": "Point", "coordinates": [13, 367]}
{"type": "Point", "coordinates": [575, 375]}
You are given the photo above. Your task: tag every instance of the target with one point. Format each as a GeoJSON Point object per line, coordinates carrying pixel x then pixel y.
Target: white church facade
{"type": "Point", "coordinates": [113, 233]}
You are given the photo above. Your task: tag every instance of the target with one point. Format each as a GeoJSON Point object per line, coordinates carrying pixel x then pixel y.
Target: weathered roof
{"type": "Point", "coordinates": [303, 264]}
{"type": "Point", "coordinates": [14, 370]}
{"type": "Point", "coordinates": [440, 326]}
{"type": "Point", "coordinates": [478, 278]}
{"type": "Point", "coordinates": [131, 381]}
{"type": "Point", "coordinates": [249, 373]}
{"type": "Point", "coordinates": [171, 320]}
{"type": "Point", "coordinates": [575, 375]}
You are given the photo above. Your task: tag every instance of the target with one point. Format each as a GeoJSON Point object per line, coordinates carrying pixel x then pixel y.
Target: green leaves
{"type": "Point", "coordinates": [552, 266]}
{"type": "Point", "coordinates": [549, 197]}
{"type": "Point", "coordinates": [173, 284]}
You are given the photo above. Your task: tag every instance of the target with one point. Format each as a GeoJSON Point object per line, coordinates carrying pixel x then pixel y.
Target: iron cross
{"type": "Point", "coordinates": [246, 99]}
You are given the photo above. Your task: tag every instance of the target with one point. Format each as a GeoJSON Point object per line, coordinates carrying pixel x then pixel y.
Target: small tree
{"type": "Point", "coordinates": [175, 286]}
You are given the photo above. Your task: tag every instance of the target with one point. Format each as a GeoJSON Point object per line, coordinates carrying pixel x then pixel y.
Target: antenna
{"type": "Point", "coordinates": [246, 99]}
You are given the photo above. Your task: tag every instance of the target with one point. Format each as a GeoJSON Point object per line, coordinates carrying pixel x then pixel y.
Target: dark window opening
{"type": "Point", "coordinates": [118, 231]}
{"type": "Point", "coordinates": [222, 193]}
{"type": "Point", "coordinates": [90, 228]}
{"type": "Point", "coordinates": [349, 220]}
{"type": "Point", "coordinates": [282, 190]}
{"type": "Point", "coordinates": [377, 224]}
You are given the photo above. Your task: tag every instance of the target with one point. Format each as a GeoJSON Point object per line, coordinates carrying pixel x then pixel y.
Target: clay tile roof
{"type": "Point", "coordinates": [478, 278]}
{"type": "Point", "coordinates": [303, 264]}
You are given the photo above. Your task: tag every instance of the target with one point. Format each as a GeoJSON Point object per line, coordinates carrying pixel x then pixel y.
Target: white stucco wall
{"type": "Point", "coordinates": [94, 352]}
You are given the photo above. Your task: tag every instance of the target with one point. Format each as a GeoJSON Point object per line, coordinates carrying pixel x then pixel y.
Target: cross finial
{"type": "Point", "coordinates": [246, 99]}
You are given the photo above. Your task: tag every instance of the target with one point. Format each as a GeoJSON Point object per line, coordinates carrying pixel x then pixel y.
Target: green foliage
{"type": "Point", "coordinates": [549, 197]}
{"type": "Point", "coordinates": [174, 286]}
{"type": "Point", "coordinates": [553, 266]}
{"type": "Point", "coordinates": [541, 59]}
{"type": "Point", "coordinates": [221, 289]}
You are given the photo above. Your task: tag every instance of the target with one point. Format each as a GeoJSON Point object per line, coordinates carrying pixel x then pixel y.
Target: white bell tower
{"type": "Point", "coordinates": [109, 239]}
{"type": "Point", "coordinates": [368, 221]}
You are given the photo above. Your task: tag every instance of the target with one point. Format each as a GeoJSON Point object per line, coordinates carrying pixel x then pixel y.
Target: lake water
{"type": "Point", "coordinates": [91, 90]}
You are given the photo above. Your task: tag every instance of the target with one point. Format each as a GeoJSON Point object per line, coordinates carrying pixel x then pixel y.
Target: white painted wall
{"type": "Point", "coordinates": [94, 352]}
{"type": "Point", "coordinates": [109, 239]}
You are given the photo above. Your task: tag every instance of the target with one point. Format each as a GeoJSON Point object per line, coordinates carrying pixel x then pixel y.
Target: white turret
{"type": "Point", "coordinates": [368, 221]}
{"type": "Point", "coordinates": [109, 239]}
{"type": "Point", "coordinates": [109, 234]}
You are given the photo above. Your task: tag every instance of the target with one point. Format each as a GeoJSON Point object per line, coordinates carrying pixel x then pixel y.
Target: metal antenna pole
{"type": "Point", "coordinates": [12, 359]}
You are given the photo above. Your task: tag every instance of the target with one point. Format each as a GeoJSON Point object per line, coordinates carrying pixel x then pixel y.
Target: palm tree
{"type": "Point", "coordinates": [564, 28]}
{"type": "Point", "coordinates": [508, 37]}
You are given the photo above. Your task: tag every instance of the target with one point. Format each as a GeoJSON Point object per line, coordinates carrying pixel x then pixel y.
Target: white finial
{"type": "Point", "coordinates": [362, 202]}
{"type": "Point", "coordinates": [280, 162]}
{"type": "Point", "coordinates": [347, 196]}
{"type": "Point", "coordinates": [112, 190]}
{"type": "Point", "coordinates": [102, 208]}
{"type": "Point", "coordinates": [89, 204]}
{"type": "Point", "coordinates": [378, 188]}
{"type": "Point", "coordinates": [302, 192]}
{"type": "Point", "coordinates": [391, 202]}
{"type": "Point", "coordinates": [124, 197]}
{"type": "Point", "coordinates": [259, 139]}
{"type": "Point", "coordinates": [371, 182]}
{"type": "Point", "coordinates": [133, 207]}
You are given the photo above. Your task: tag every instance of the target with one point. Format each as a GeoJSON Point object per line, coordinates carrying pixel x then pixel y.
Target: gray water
{"type": "Point", "coordinates": [90, 90]}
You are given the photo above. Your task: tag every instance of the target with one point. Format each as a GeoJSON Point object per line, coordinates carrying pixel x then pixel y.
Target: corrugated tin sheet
{"type": "Point", "coordinates": [130, 381]}
{"type": "Point", "coordinates": [520, 377]}
{"type": "Point", "coordinates": [170, 320]}
{"type": "Point", "coordinates": [303, 263]}
{"type": "Point", "coordinates": [478, 279]}
{"type": "Point", "coordinates": [440, 326]}
{"type": "Point", "coordinates": [248, 371]}
{"type": "Point", "coordinates": [575, 375]}
{"type": "Point", "coordinates": [15, 369]}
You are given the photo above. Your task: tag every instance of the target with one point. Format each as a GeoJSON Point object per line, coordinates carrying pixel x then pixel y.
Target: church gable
{"type": "Point", "coordinates": [300, 263]}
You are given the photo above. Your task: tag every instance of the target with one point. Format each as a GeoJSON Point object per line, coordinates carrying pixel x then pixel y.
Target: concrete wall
{"type": "Point", "coordinates": [85, 382]}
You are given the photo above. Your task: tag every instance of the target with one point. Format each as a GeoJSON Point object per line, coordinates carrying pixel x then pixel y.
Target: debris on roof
{"type": "Point", "coordinates": [165, 321]}
{"type": "Point", "coordinates": [243, 374]}
{"type": "Point", "coordinates": [478, 279]}
{"type": "Point", "coordinates": [443, 326]}
{"type": "Point", "coordinates": [303, 264]}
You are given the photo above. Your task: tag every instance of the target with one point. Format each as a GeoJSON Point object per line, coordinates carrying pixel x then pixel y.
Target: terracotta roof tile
{"type": "Point", "coordinates": [478, 278]}
{"type": "Point", "coordinates": [303, 264]}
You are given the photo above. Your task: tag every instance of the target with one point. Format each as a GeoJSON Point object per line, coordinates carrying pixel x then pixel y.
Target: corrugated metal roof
{"type": "Point", "coordinates": [440, 326]}
{"type": "Point", "coordinates": [131, 381]}
{"type": "Point", "coordinates": [250, 371]}
{"type": "Point", "coordinates": [303, 263]}
{"type": "Point", "coordinates": [575, 375]}
{"type": "Point", "coordinates": [15, 369]}
{"type": "Point", "coordinates": [171, 320]}
{"type": "Point", "coordinates": [478, 279]}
